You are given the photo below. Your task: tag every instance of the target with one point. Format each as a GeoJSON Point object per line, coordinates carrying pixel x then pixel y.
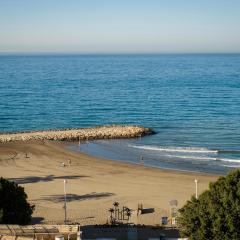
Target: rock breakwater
{"type": "Point", "coordinates": [102, 132]}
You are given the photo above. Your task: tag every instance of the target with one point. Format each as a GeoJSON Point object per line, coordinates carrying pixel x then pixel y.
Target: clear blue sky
{"type": "Point", "coordinates": [113, 26]}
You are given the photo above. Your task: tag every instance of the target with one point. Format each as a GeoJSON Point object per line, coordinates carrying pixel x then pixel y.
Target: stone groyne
{"type": "Point", "coordinates": [103, 132]}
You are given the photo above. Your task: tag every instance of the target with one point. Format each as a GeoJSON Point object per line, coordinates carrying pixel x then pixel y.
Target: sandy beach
{"type": "Point", "coordinates": [92, 184]}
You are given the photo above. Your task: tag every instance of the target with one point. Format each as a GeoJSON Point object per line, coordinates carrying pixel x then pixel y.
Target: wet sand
{"type": "Point", "coordinates": [93, 184]}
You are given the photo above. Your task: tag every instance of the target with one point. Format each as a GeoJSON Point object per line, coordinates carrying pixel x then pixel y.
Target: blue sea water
{"type": "Point", "coordinates": [192, 101]}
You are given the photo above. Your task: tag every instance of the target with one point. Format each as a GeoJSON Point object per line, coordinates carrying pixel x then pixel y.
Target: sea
{"type": "Point", "coordinates": [191, 101]}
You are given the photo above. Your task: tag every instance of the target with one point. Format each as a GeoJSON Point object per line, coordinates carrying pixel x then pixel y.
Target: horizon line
{"type": "Point", "coordinates": [117, 53]}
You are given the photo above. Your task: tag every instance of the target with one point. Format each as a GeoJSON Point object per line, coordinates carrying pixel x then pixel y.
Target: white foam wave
{"type": "Point", "coordinates": [231, 166]}
{"type": "Point", "coordinates": [175, 149]}
{"type": "Point", "coordinates": [204, 158]}
{"type": "Point", "coordinates": [189, 157]}
{"type": "Point", "coordinates": [229, 160]}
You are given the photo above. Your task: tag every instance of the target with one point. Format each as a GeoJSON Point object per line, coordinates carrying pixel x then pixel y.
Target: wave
{"type": "Point", "coordinates": [231, 166]}
{"type": "Point", "coordinates": [191, 153]}
{"type": "Point", "coordinates": [204, 158]}
{"type": "Point", "coordinates": [175, 149]}
{"type": "Point", "coordinates": [189, 157]}
{"type": "Point", "coordinates": [229, 160]}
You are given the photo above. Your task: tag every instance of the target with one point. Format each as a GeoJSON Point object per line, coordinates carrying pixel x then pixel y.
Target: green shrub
{"type": "Point", "coordinates": [14, 208]}
{"type": "Point", "coordinates": [216, 213]}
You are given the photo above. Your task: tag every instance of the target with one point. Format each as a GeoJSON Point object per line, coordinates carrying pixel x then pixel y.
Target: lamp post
{"type": "Point", "coordinates": [196, 186]}
{"type": "Point", "coordinates": [65, 201]}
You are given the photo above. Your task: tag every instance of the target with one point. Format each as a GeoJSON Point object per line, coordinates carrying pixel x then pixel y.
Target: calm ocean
{"type": "Point", "coordinates": [191, 101]}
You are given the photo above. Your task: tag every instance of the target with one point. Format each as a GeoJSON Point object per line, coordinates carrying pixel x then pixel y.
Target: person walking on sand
{"type": "Point", "coordinates": [69, 162]}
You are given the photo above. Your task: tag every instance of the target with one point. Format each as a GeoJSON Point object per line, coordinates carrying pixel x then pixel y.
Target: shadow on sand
{"type": "Point", "coordinates": [49, 178]}
{"type": "Point", "coordinates": [37, 220]}
{"type": "Point", "coordinates": [76, 197]}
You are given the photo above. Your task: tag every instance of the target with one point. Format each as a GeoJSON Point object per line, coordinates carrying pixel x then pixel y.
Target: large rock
{"type": "Point", "coordinates": [102, 132]}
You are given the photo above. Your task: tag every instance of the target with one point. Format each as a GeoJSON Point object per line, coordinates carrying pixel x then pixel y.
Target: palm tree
{"type": "Point", "coordinates": [116, 204]}
{"type": "Point", "coordinates": [128, 213]}
{"type": "Point", "coordinates": [111, 210]}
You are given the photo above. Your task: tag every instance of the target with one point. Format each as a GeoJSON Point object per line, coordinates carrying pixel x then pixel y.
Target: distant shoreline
{"type": "Point", "coordinates": [99, 132]}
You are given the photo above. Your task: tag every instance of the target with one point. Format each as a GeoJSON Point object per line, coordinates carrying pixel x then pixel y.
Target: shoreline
{"type": "Point", "coordinates": [140, 165]}
{"type": "Point", "coordinates": [126, 150]}
{"type": "Point", "coordinates": [93, 184]}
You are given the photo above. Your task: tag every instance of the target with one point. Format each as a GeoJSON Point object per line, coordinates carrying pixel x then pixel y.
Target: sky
{"type": "Point", "coordinates": [120, 26]}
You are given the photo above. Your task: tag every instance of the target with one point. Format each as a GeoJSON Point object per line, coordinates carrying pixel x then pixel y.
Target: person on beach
{"type": "Point", "coordinates": [69, 162]}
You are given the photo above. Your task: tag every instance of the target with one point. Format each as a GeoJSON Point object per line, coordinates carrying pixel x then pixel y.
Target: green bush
{"type": "Point", "coordinates": [14, 208]}
{"type": "Point", "coordinates": [216, 213]}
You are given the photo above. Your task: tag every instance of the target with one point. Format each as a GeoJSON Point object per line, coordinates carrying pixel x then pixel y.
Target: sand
{"type": "Point", "coordinates": [92, 184]}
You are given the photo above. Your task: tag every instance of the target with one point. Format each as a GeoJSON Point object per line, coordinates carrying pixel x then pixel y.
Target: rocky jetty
{"type": "Point", "coordinates": [103, 132]}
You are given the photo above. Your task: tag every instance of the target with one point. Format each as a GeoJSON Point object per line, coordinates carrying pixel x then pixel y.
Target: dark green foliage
{"type": "Point", "coordinates": [216, 213]}
{"type": "Point", "coordinates": [14, 208]}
